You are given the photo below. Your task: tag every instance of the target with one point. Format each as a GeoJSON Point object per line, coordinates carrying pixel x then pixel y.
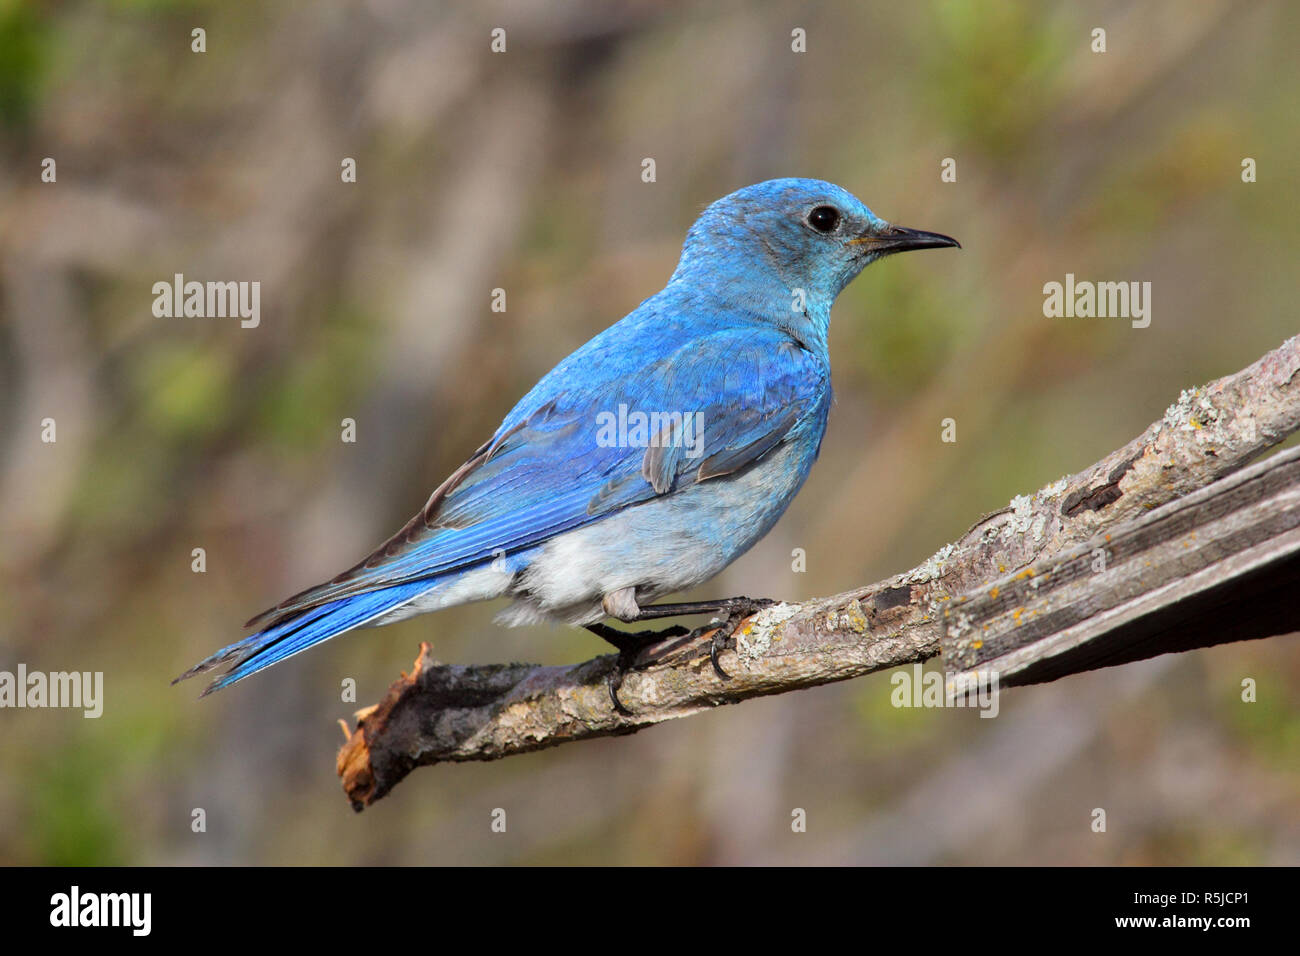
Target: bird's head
{"type": "Point", "coordinates": [774, 243]}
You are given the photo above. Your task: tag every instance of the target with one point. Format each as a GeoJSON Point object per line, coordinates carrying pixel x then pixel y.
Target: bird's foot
{"type": "Point", "coordinates": [630, 644]}
{"type": "Point", "coordinates": [738, 609]}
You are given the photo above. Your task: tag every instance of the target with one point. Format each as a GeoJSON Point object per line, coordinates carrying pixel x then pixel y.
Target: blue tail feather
{"type": "Point", "coordinates": [261, 650]}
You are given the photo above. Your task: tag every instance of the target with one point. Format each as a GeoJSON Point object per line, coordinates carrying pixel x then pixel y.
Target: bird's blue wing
{"type": "Point", "coordinates": [550, 469]}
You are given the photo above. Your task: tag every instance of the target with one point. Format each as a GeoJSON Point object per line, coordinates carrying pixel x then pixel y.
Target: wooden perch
{"type": "Point", "coordinates": [1144, 553]}
{"type": "Point", "coordinates": [1221, 564]}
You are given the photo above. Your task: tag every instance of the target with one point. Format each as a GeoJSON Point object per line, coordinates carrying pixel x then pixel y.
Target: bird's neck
{"type": "Point", "coordinates": [803, 314]}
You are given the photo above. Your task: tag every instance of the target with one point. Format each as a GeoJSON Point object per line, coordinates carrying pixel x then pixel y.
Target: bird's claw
{"type": "Point", "coordinates": [722, 633]}
{"type": "Point", "coordinates": [613, 681]}
{"type": "Point", "coordinates": [716, 644]}
{"type": "Point", "coordinates": [626, 659]}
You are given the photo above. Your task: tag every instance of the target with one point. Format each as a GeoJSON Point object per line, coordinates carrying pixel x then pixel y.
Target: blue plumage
{"type": "Point", "coordinates": [576, 519]}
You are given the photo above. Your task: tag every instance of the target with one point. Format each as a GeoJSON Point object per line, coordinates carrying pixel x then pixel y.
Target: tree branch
{"type": "Point", "coordinates": [1021, 592]}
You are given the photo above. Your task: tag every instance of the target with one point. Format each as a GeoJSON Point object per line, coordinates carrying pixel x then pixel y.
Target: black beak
{"type": "Point", "coordinates": [892, 239]}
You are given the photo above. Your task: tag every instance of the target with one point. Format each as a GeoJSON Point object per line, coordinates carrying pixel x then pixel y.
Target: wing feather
{"type": "Point", "coordinates": [545, 472]}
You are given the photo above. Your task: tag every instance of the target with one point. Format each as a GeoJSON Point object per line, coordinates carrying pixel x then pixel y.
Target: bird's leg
{"type": "Point", "coordinates": [737, 608]}
{"type": "Point", "coordinates": [747, 605]}
{"type": "Point", "coordinates": [630, 644]}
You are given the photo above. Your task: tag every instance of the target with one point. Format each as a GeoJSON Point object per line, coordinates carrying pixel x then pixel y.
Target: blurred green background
{"type": "Point", "coordinates": [522, 171]}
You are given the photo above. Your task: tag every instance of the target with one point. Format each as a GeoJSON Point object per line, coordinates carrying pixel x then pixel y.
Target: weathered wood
{"type": "Point", "coordinates": [1221, 564]}
{"type": "Point", "coordinates": [442, 713]}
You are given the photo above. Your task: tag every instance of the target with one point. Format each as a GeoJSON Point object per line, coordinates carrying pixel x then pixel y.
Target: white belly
{"type": "Point", "coordinates": [659, 547]}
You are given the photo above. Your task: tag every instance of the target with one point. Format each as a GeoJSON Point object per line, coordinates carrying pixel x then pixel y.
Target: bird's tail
{"type": "Point", "coordinates": [290, 637]}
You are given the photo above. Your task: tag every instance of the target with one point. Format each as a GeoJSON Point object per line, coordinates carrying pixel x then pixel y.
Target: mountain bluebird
{"type": "Point", "coordinates": [645, 462]}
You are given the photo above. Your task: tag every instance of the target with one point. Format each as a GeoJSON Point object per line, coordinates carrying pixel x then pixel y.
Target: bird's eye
{"type": "Point", "coordinates": [824, 218]}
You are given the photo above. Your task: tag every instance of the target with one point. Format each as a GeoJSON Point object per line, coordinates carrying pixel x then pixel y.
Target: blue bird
{"type": "Point", "coordinates": [645, 462]}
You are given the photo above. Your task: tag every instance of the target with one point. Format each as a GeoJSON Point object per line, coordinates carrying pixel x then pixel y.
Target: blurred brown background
{"type": "Point", "coordinates": [522, 171]}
